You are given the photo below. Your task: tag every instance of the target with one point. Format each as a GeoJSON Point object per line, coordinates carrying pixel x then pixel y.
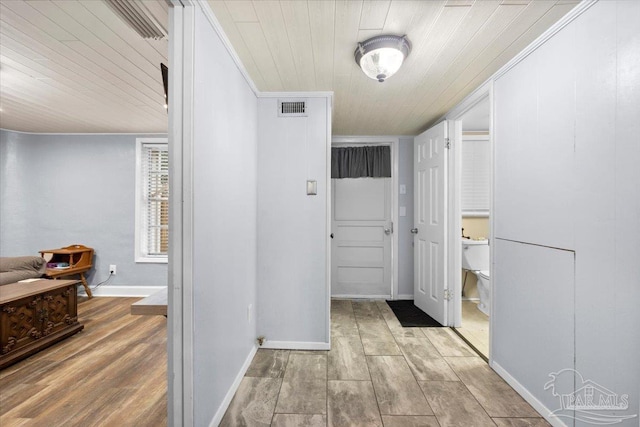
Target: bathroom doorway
{"type": "Point", "coordinates": [474, 162]}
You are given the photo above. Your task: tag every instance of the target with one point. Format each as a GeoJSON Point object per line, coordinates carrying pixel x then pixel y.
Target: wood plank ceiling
{"type": "Point", "coordinates": [309, 45]}
{"type": "Point", "coordinates": [73, 66]}
{"type": "Point", "coordinates": [68, 66]}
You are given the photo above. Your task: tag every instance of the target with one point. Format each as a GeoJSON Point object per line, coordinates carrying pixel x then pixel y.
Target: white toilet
{"type": "Point", "coordinates": [475, 258]}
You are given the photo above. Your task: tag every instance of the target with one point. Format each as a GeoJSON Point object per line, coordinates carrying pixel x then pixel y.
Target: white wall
{"type": "Point", "coordinates": [405, 223]}
{"type": "Point", "coordinates": [292, 226]}
{"type": "Point", "coordinates": [251, 255]}
{"type": "Point", "coordinates": [567, 208]}
{"type": "Point", "coordinates": [224, 165]}
{"type": "Point", "coordinates": [62, 189]}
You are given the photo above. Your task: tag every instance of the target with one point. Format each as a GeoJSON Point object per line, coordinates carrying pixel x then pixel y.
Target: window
{"type": "Point", "coordinates": [476, 175]}
{"type": "Point", "coordinates": [152, 200]}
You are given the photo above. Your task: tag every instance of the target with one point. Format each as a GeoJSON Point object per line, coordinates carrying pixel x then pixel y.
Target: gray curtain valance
{"type": "Point", "coordinates": [361, 162]}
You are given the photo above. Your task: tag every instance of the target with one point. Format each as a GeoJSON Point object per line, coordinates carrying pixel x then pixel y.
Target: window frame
{"type": "Point", "coordinates": [141, 256]}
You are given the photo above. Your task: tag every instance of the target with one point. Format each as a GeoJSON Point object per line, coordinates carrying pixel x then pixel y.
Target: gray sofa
{"type": "Point", "coordinates": [13, 269]}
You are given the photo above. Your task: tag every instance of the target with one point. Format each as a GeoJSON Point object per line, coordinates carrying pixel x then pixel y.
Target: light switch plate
{"type": "Point", "coordinates": [312, 188]}
{"type": "Point", "coordinates": [403, 189]}
{"type": "Point", "coordinates": [403, 211]}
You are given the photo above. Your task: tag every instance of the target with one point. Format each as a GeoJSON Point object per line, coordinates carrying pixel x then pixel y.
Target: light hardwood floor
{"type": "Point", "coordinates": [113, 373]}
{"type": "Point", "coordinates": [377, 374]}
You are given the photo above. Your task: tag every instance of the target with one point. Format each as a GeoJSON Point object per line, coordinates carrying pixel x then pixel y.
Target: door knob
{"type": "Point", "coordinates": [387, 231]}
{"type": "Point", "coordinates": [414, 231]}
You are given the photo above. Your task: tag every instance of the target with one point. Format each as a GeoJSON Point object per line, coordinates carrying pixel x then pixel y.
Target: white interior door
{"type": "Point", "coordinates": [429, 176]}
{"type": "Point", "coordinates": [361, 244]}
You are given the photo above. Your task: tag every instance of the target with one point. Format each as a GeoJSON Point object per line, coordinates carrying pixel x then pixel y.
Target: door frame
{"type": "Point", "coordinates": [180, 371]}
{"type": "Point", "coordinates": [394, 143]}
{"type": "Point", "coordinates": [454, 266]}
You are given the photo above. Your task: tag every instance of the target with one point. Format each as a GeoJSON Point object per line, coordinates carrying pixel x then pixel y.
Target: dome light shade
{"type": "Point", "coordinates": [380, 57]}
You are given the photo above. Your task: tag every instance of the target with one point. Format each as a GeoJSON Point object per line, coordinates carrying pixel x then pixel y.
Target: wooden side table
{"type": "Point", "coordinates": [79, 258]}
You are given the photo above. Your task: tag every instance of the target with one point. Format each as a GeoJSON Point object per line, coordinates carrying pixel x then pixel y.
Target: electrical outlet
{"type": "Point", "coordinates": [249, 309]}
{"type": "Point", "coordinates": [112, 269]}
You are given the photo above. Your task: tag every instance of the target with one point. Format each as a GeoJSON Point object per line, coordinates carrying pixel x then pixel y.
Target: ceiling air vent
{"type": "Point", "coordinates": [139, 17]}
{"type": "Point", "coordinates": [292, 108]}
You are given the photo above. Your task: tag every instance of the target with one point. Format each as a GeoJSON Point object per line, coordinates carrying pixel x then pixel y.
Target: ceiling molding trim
{"type": "Point", "coordinates": [392, 141]}
{"type": "Point", "coordinates": [206, 9]}
{"type": "Point", "coordinates": [327, 94]}
{"type": "Point", "coordinates": [357, 139]}
{"type": "Point", "coordinates": [87, 133]}
{"type": "Point", "coordinates": [470, 101]}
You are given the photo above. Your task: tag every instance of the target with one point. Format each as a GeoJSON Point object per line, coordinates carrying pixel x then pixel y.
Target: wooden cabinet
{"type": "Point", "coordinates": [35, 315]}
{"type": "Point", "coordinates": [79, 258]}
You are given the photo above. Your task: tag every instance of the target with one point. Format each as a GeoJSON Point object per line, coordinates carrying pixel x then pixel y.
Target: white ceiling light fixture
{"type": "Point", "coordinates": [380, 57]}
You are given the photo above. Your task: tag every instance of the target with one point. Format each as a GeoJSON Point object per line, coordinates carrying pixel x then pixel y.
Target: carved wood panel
{"type": "Point", "coordinates": [31, 323]}
{"type": "Point", "coordinates": [58, 309]}
{"type": "Point", "coordinates": [21, 321]}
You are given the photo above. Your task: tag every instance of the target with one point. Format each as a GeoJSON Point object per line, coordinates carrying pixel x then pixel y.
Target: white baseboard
{"type": "Point", "coordinates": [362, 296]}
{"type": "Point", "coordinates": [384, 297]}
{"type": "Point", "coordinates": [217, 418]}
{"type": "Point", "coordinates": [121, 291]}
{"type": "Point", "coordinates": [526, 395]}
{"type": "Point", "coordinates": [296, 345]}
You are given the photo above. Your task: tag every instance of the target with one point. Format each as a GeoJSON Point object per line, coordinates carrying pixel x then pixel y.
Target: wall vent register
{"type": "Point", "coordinates": [292, 108]}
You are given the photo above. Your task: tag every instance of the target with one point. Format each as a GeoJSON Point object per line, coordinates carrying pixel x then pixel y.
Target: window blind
{"type": "Point", "coordinates": [476, 177]}
{"type": "Point", "coordinates": [155, 169]}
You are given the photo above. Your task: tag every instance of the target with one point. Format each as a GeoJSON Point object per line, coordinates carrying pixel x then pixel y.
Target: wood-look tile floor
{"type": "Point", "coordinates": [112, 373]}
{"type": "Point", "coordinates": [377, 374]}
{"type": "Point", "coordinates": [475, 327]}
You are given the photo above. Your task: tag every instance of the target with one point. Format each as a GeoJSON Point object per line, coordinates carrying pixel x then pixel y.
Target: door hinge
{"type": "Point", "coordinates": [447, 143]}
{"type": "Point", "coordinates": [448, 295]}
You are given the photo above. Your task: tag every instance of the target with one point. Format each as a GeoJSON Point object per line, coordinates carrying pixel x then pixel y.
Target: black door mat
{"type": "Point", "coordinates": [411, 316]}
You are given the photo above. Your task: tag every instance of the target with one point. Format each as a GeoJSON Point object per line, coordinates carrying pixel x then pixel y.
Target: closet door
{"type": "Point", "coordinates": [534, 328]}
{"type": "Point", "coordinates": [534, 148]}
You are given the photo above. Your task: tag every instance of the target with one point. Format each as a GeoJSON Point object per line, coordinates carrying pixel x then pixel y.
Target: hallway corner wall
{"type": "Point", "coordinates": [292, 229]}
